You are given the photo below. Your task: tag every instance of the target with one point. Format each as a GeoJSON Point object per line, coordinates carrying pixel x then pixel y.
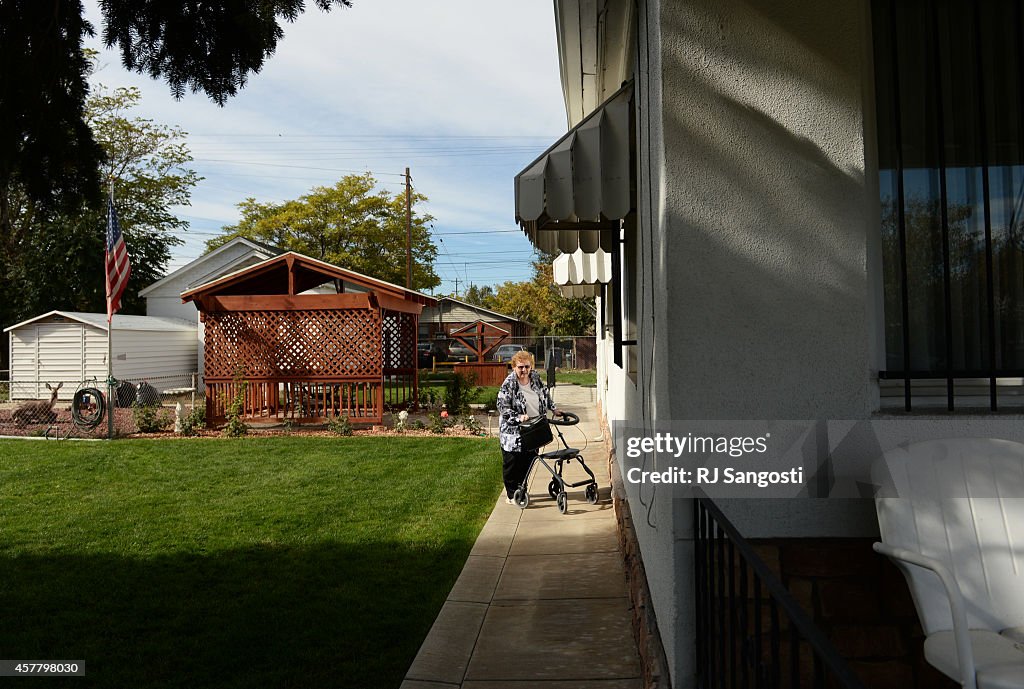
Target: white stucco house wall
{"type": "Point", "coordinates": [756, 167]}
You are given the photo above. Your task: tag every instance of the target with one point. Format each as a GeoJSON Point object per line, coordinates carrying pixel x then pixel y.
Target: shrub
{"type": "Point", "coordinates": [490, 402]}
{"type": "Point", "coordinates": [438, 424]}
{"type": "Point", "coordinates": [234, 409]}
{"type": "Point", "coordinates": [340, 425]}
{"type": "Point", "coordinates": [194, 421]}
{"type": "Point", "coordinates": [459, 391]}
{"type": "Point", "coordinates": [151, 418]}
{"type": "Point", "coordinates": [429, 398]}
{"type": "Point", "coordinates": [401, 421]}
{"type": "Point", "coordinates": [470, 423]}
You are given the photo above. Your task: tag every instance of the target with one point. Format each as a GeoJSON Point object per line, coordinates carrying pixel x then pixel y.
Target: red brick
{"type": "Point", "coordinates": [829, 557]}
{"type": "Point", "coordinates": [849, 601]}
{"type": "Point", "coordinates": [803, 593]}
{"type": "Point", "coordinates": [887, 674]}
{"type": "Point", "coordinates": [868, 641]}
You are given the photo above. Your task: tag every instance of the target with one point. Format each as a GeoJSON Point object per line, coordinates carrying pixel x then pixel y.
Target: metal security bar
{"type": "Point", "coordinates": [950, 163]}
{"type": "Point", "coordinates": [751, 633]}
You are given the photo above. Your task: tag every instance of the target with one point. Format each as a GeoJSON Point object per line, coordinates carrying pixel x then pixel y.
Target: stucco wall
{"type": "Point", "coordinates": [754, 224]}
{"type": "Point", "coordinates": [767, 214]}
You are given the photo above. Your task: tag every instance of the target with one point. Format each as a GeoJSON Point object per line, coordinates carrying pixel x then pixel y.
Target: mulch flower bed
{"type": "Point", "coordinates": [60, 425]}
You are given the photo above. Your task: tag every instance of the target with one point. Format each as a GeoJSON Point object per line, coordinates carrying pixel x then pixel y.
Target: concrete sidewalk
{"type": "Point", "coordinates": [542, 600]}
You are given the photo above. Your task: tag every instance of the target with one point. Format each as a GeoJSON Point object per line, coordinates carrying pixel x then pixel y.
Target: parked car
{"type": "Point", "coordinates": [458, 352]}
{"type": "Point", "coordinates": [423, 356]}
{"type": "Point", "coordinates": [506, 351]}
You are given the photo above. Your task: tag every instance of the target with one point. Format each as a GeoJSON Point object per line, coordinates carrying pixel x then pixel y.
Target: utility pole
{"type": "Point", "coordinates": [408, 230]}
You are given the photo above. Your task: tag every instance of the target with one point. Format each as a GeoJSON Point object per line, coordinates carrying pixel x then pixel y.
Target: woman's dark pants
{"type": "Point", "coordinates": [513, 469]}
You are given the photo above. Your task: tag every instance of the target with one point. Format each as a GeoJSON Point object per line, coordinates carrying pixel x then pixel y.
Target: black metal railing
{"type": "Point", "coordinates": [751, 633]}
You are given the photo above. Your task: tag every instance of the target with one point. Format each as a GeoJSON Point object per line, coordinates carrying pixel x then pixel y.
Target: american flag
{"type": "Point", "coordinates": [118, 267]}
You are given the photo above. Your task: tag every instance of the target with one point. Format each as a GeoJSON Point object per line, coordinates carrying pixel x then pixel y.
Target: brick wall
{"type": "Point", "coordinates": [861, 603]}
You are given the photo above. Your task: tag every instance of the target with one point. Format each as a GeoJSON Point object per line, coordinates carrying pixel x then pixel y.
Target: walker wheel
{"type": "Point", "coordinates": [521, 498]}
{"type": "Point", "coordinates": [553, 489]}
{"type": "Point", "coordinates": [563, 502]}
{"type": "Point", "coordinates": [592, 493]}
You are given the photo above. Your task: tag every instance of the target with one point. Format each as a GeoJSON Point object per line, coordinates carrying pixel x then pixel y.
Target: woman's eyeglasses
{"type": "Point", "coordinates": [524, 367]}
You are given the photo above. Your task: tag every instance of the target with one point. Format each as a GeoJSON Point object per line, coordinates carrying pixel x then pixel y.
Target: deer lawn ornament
{"type": "Point", "coordinates": [38, 411]}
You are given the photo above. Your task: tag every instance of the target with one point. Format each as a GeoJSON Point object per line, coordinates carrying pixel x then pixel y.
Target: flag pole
{"type": "Point", "coordinates": [110, 329]}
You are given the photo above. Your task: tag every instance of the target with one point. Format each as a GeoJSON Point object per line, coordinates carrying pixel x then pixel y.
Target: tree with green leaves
{"type": "Point", "coordinates": [54, 258]}
{"type": "Point", "coordinates": [351, 224]}
{"type": "Point", "coordinates": [538, 301]}
{"type": "Point", "coordinates": [479, 296]}
{"type": "Point", "coordinates": [47, 150]}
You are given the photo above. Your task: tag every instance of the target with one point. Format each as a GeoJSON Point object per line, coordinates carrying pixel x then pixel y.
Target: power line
{"type": "Point", "coordinates": [545, 137]}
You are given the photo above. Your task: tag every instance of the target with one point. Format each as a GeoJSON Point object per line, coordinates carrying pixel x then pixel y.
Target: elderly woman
{"type": "Point", "coordinates": [520, 397]}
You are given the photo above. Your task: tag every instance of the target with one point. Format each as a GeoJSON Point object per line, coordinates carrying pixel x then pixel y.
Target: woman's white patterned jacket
{"type": "Point", "coordinates": [512, 403]}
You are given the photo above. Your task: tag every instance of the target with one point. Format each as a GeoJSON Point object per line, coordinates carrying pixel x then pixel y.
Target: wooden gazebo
{"type": "Point", "coordinates": [308, 357]}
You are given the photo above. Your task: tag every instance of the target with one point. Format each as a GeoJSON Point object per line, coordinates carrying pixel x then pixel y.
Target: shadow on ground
{"type": "Point", "coordinates": [343, 615]}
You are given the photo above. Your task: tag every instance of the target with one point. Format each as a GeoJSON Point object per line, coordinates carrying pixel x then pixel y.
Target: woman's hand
{"type": "Point", "coordinates": [556, 412]}
{"type": "Point", "coordinates": [523, 418]}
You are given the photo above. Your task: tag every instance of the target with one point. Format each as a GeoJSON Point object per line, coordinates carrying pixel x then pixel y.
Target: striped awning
{"type": "Point", "coordinates": [575, 194]}
{"type": "Point", "coordinates": [581, 274]}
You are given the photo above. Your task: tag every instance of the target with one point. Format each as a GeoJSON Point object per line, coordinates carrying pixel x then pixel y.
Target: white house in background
{"type": "Point", "coordinates": [806, 203]}
{"type": "Point", "coordinates": [71, 347]}
{"type": "Point", "coordinates": [163, 297]}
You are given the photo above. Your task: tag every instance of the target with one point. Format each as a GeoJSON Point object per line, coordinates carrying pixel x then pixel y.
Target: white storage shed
{"type": "Point", "coordinates": [71, 347]}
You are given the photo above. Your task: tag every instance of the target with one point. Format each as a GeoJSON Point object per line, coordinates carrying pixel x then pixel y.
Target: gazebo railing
{"type": "Point", "coordinates": [300, 399]}
{"type": "Point", "coordinates": [401, 388]}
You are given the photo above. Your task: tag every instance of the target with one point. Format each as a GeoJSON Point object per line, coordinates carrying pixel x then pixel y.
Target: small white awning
{"type": "Point", "coordinates": [575, 194]}
{"type": "Point", "coordinates": [581, 274]}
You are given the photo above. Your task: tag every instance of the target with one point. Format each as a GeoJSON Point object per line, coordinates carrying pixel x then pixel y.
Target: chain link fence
{"type": "Point", "coordinates": [578, 352]}
{"type": "Point", "coordinates": [45, 407]}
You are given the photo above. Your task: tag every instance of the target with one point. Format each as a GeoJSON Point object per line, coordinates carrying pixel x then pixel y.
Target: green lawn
{"type": "Point", "coordinates": [577, 377]}
{"type": "Point", "coordinates": [274, 562]}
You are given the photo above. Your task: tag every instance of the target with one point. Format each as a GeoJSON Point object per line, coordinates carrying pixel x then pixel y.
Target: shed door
{"type": "Point", "coordinates": [61, 356]}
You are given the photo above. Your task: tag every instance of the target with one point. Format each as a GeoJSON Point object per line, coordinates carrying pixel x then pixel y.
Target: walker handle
{"type": "Point", "coordinates": [567, 419]}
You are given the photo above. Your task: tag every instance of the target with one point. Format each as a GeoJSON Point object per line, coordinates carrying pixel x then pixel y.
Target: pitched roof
{"type": "Point", "coordinates": [99, 320]}
{"type": "Point", "coordinates": [257, 246]}
{"type": "Point", "coordinates": [481, 309]}
{"type": "Point", "coordinates": [292, 273]}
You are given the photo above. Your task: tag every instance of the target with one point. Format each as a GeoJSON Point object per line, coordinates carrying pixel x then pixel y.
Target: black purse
{"type": "Point", "coordinates": [535, 433]}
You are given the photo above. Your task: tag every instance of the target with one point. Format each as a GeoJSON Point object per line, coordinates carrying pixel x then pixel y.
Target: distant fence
{"type": "Point", "coordinates": [569, 352]}
{"type": "Point", "coordinates": [171, 385]}
{"type": "Point", "coordinates": [27, 411]}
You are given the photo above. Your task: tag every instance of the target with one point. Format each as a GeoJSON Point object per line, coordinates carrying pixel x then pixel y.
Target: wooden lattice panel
{"type": "Point", "coordinates": [398, 331]}
{"type": "Point", "coordinates": [283, 344]}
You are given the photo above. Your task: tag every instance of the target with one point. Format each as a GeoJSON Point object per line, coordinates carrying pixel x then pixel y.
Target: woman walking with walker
{"type": "Point", "coordinates": [522, 396]}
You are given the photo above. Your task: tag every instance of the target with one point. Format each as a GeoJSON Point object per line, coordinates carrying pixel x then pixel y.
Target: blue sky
{"type": "Point", "coordinates": [463, 92]}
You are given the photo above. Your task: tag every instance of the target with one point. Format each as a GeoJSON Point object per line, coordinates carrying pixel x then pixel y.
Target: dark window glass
{"type": "Point", "coordinates": [951, 151]}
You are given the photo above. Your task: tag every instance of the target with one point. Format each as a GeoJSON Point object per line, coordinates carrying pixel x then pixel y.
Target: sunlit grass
{"type": "Point", "coordinates": [235, 563]}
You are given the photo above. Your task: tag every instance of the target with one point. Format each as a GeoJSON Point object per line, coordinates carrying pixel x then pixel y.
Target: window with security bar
{"type": "Point", "coordinates": [950, 99]}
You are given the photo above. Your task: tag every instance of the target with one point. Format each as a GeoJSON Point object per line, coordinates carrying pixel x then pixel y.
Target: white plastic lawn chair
{"type": "Point", "coordinates": [951, 516]}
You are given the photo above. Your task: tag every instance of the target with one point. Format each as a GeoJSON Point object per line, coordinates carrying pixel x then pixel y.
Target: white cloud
{"type": "Point", "coordinates": [359, 88]}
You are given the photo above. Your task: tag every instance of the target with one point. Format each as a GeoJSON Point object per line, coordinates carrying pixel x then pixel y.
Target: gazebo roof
{"type": "Point", "coordinates": [293, 273]}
